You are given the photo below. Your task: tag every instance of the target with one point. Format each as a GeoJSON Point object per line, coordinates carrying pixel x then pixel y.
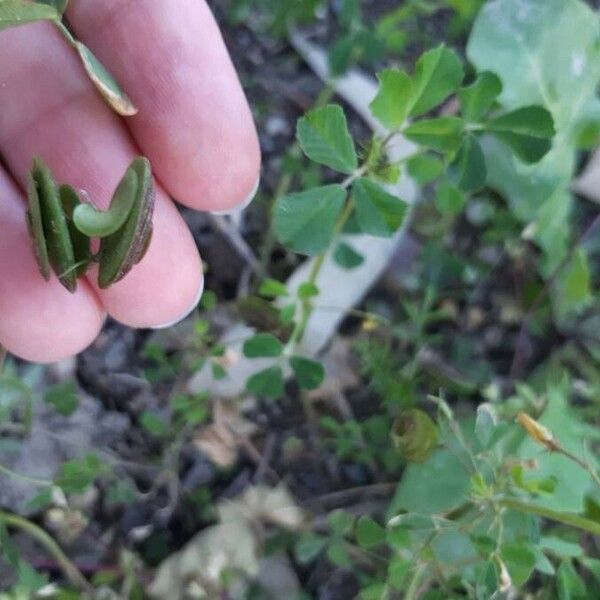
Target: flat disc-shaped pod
{"type": "Point", "coordinates": [48, 227]}
{"type": "Point", "coordinates": [126, 246]}
{"type": "Point", "coordinates": [82, 250]}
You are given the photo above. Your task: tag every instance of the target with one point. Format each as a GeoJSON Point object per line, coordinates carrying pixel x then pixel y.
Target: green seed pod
{"type": "Point", "coordinates": [415, 435]}
{"type": "Point", "coordinates": [124, 247]}
{"type": "Point", "coordinates": [49, 228]}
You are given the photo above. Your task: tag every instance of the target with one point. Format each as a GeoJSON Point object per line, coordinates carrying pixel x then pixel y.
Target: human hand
{"type": "Point", "coordinates": [193, 124]}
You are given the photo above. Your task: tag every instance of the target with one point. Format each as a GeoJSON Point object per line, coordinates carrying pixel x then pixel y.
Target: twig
{"type": "Point", "coordinates": [70, 569]}
{"type": "Point", "coordinates": [237, 242]}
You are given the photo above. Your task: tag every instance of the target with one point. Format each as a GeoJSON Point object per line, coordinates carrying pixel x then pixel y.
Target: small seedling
{"type": "Point", "coordinates": [62, 226]}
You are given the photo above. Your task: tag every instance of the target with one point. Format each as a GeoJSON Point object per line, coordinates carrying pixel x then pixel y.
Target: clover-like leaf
{"type": "Point", "coordinates": [392, 103]}
{"type": "Point", "coordinates": [442, 134]}
{"type": "Point", "coordinates": [309, 374]}
{"type": "Point", "coordinates": [82, 250]}
{"type": "Point", "coordinates": [527, 130]}
{"type": "Point", "coordinates": [126, 246]}
{"type": "Point", "coordinates": [59, 5]}
{"type": "Point", "coordinates": [19, 12]}
{"type": "Point", "coordinates": [48, 227]}
{"type": "Point", "coordinates": [377, 211]}
{"type": "Point", "coordinates": [468, 171]}
{"type": "Point", "coordinates": [415, 435]}
{"type": "Point", "coordinates": [476, 99]}
{"type": "Point", "coordinates": [324, 137]}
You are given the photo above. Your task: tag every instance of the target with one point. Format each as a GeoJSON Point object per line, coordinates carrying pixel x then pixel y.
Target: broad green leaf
{"type": "Point", "coordinates": [392, 103]}
{"type": "Point", "coordinates": [557, 66]}
{"type": "Point", "coordinates": [268, 383]}
{"type": "Point", "coordinates": [477, 99]}
{"type": "Point", "coordinates": [450, 200]}
{"type": "Point", "coordinates": [309, 374]}
{"type": "Point", "coordinates": [414, 435]}
{"type": "Point", "coordinates": [337, 553]}
{"type": "Point", "coordinates": [485, 424]}
{"type": "Point", "coordinates": [20, 12]}
{"type": "Point", "coordinates": [105, 83]}
{"type": "Point", "coordinates": [377, 211]}
{"type": "Point", "coordinates": [324, 137]}
{"type": "Point", "coordinates": [520, 560]}
{"type": "Point", "coordinates": [442, 134]}
{"type": "Point", "coordinates": [424, 168]}
{"type": "Point", "coordinates": [263, 345]}
{"type": "Point", "coordinates": [573, 484]}
{"type": "Point", "coordinates": [340, 522]}
{"type": "Point", "coordinates": [346, 257]}
{"type": "Point", "coordinates": [574, 285]}
{"type": "Point", "coordinates": [436, 486]}
{"type": "Point", "coordinates": [305, 221]}
{"type": "Point", "coordinates": [527, 130]}
{"type": "Point", "coordinates": [437, 75]}
{"type": "Point", "coordinates": [468, 171]}
{"type": "Point", "coordinates": [124, 248]}
{"type": "Point", "coordinates": [569, 584]}
{"type": "Point", "coordinates": [369, 533]}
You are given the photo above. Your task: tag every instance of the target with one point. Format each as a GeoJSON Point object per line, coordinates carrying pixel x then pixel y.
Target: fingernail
{"type": "Point", "coordinates": [187, 313]}
{"type": "Point", "coordinates": [240, 207]}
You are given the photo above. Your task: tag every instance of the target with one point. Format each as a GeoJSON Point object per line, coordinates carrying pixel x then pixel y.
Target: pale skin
{"type": "Point", "coordinates": [194, 124]}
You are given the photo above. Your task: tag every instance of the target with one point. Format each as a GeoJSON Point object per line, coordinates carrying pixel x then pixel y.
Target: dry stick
{"type": "Point", "coordinates": [70, 569]}
{"type": "Point", "coordinates": [516, 366]}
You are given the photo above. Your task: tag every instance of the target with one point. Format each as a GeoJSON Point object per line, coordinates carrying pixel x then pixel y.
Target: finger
{"type": "Point", "coordinates": [194, 122]}
{"type": "Point", "coordinates": [50, 109]}
{"type": "Point", "coordinates": [39, 321]}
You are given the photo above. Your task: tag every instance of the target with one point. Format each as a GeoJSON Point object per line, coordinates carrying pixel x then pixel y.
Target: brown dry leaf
{"type": "Point", "coordinates": [220, 440]}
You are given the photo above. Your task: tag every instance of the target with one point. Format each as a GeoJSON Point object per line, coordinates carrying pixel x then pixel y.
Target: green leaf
{"type": "Point", "coordinates": [63, 397]}
{"type": "Point", "coordinates": [527, 130]}
{"type": "Point", "coordinates": [324, 137]}
{"type": "Point", "coordinates": [520, 560]}
{"type": "Point", "coordinates": [414, 435]}
{"type": "Point", "coordinates": [392, 103]}
{"type": "Point", "coordinates": [308, 547]}
{"type": "Point", "coordinates": [449, 200]}
{"type": "Point", "coordinates": [477, 99]}
{"type": "Point", "coordinates": [105, 83]}
{"type": "Point", "coordinates": [377, 212]}
{"type": "Point", "coordinates": [574, 285]}
{"type": "Point", "coordinates": [126, 246]}
{"type": "Point", "coordinates": [14, 13]}
{"type": "Point", "coordinates": [305, 221]}
{"type": "Point", "coordinates": [436, 486]}
{"type": "Point", "coordinates": [338, 554]}
{"type": "Point", "coordinates": [268, 383]}
{"type": "Point", "coordinates": [437, 75]}
{"type": "Point", "coordinates": [424, 168]}
{"type": "Point", "coordinates": [153, 424]}
{"type": "Point", "coordinates": [369, 533]}
{"type": "Point", "coordinates": [271, 288]}
{"type": "Point", "coordinates": [263, 345]}
{"type": "Point", "coordinates": [307, 290]}
{"type": "Point", "coordinates": [76, 476]}
{"type": "Point", "coordinates": [309, 374]}
{"type": "Point", "coordinates": [485, 424]}
{"type": "Point", "coordinates": [340, 522]}
{"type": "Point", "coordinates": [468, 171]}
{"type": "Point", "coordinates": [346, 257]}
{"type": "Point", "coordinates": [442, 134]}
{"type": "Point", "coordinates": [569, 584]}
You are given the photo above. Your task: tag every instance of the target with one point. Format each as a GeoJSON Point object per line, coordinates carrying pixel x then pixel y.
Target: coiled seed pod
{"type": "Point", "coordinates": [414, 434]}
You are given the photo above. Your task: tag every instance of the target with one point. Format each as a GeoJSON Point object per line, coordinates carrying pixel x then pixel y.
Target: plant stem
{"type": "Point", "coordinates": [70, 570]}
{"type": "Point", "coordinates": [415, 583]}
{"type": "Point", "coordinates": [561, 517]}
{"type": "Point", "coordinates": [67, 34]}
{"type": "Point", "coordinates": [34, 480]}
{"type": "Point", "coordinates": [307, 305]}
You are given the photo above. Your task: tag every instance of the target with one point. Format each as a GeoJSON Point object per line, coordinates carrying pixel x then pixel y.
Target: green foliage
{"type": "Point", "coordinates": [263, 345]}
{"type": "Point", "coordinates": [377, 212]}
{"type": "Point", "coordinates": [63, 397]}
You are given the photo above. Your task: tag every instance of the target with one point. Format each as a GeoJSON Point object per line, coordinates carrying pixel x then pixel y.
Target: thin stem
{"type": "Point", "coordinates": [560, 517]}
{"type": "Point", "coordinates": [34, 480]}
{"type": "Point", "coordinates": [69, 568]}
{"type": "Point", "coordinates": [67, 34]}
{"type": "Point", "coordinates": [415, 583]}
